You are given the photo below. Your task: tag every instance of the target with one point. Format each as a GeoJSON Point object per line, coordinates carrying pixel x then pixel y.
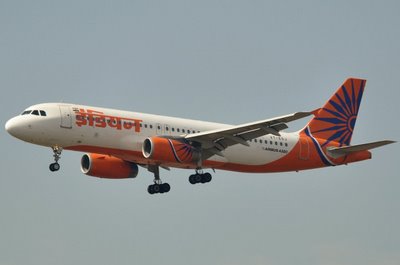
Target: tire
{"type": "Point", "coordinates": [197, 178]}
{"type": "Point", "coordinates": [207, 177]}
{"type": "Point", "coordinates": [156, 188]}
{"type": "Point", "coordinates": [150, 189]}
{"type": "Point", "coordinates": [165, 187]}
{"type": "Point", "coordinates": [192, 180]}
{"type": "Point", "coordinates": [56, 166]}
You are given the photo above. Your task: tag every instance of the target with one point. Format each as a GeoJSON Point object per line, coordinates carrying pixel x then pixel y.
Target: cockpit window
{"type": "Point", "coordinates": [34, 112]}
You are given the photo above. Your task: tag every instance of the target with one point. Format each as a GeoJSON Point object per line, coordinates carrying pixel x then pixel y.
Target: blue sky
{"type": "Point", "coordinates": [223, 61]}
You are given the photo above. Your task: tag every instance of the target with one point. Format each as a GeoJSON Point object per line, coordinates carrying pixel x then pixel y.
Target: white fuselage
{"type": "Point", "coordinates": [126, 131]}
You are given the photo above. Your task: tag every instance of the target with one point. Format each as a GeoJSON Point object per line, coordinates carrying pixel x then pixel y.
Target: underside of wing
{"type": "Point", "coordinates": [215, 141]}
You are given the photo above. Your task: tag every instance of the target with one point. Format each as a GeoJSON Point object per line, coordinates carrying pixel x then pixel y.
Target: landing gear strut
{"type": "Point", "coordinates": [158, 186]}
{"type": "Point", "coordinates": [200, 177]}
{"type": "Point", "coordinates": [57, 155]}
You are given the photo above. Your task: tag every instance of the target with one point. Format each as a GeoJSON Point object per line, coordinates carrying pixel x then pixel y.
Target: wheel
{"type": "Point", "coordinates": [197, 178]}
{"type": "Point", "coordinates": [156, 188]}
{"type": "Point", "coordinates": [203, 179]}
{"type": "Point", "coordinates": [150, 189]}
{"type": "Point", "coordinates": [165, 187]}
{"type": "Point", "coordinates": [192, 179]}
{"type": "Point", "coordinates": [54, 167]}
{"type": "Point", "coordinates": [206, 177]}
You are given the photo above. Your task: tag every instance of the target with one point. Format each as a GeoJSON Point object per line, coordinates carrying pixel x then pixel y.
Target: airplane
{"type": "Point", "coordinates": [117, 142]}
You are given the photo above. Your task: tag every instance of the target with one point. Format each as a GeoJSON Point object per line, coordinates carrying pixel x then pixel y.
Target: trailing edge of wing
{"type": "Point", "coordinates": [216, 141]}
{"type": "Point", "coordinates": [336, 152]}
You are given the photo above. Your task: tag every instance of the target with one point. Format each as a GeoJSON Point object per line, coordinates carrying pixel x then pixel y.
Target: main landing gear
{"type": "Point", "coordinates": [200, 177]}
{"type": "Point", "coordinates": [158, 186]}
{"type": "Point", "coordinates": [57, 155]}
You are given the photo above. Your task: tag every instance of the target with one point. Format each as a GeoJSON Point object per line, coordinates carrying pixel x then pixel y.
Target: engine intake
{"type": "Point", "coordinates": [105, 166]}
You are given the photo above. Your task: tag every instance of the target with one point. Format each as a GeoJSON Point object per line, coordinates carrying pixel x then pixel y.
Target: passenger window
{"type": "Point", "coordinates": [177, 130]}
{"type": "Point", "coordinates": [166, 128]}
{"type": "Point", "coordinates": [35, 112]}
{"type": "Point", "coordinates": [145, 126]}
{"type": "Point", "coordinates": [183, 130]}
{"type": "Point", "coordinates": [151, 126]}
{"type": "Point", "coordinates": [173, 129]}
{"type": "Point", "coordinates": [286, 144]}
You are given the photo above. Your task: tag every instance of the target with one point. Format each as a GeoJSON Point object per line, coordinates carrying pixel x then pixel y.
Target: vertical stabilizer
{"type": "Point", "coordinates": [335, 121]}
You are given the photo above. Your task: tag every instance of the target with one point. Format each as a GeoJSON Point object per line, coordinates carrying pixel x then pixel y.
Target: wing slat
{"type": "Point", "coordinates": [215, 141]}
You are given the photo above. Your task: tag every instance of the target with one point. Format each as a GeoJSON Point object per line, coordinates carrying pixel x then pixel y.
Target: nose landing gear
{"type": "Point", "coordinates": [57, 156]}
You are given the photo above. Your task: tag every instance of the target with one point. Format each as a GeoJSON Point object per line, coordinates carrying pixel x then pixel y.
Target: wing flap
{"type": "Point", "coordinates": [215, 141]}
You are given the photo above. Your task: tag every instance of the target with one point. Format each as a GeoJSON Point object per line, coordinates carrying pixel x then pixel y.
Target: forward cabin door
{"type": "Point", "coordinates": [66, 116]}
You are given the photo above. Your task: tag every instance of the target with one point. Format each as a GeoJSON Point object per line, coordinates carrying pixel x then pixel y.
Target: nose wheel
{"type": "Point", "coordinates": [54, 167]}
{"type": "Point", "coordinates": [57, 156]}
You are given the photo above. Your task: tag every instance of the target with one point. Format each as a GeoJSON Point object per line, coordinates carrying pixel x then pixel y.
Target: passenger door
{"type": "Point", "coordinates": [66, 116]}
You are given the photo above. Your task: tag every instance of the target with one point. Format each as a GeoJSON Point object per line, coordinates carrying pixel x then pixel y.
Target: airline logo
{"type": "Point", "coordinates": [98, 119]}
{"type": "Point", "coordinates": [183, 152]}
{"type": "Point", "coordinates": [336, 120]}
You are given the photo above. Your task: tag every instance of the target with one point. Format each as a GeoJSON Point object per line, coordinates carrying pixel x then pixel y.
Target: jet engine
{"type": "Point", "coordinates": [105, 166]}
{"type": "Point", "coordinates": [163, 150]}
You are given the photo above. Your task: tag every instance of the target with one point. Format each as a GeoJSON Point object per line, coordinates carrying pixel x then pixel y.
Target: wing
{"type": "Point", "coordinates": [215, 141]}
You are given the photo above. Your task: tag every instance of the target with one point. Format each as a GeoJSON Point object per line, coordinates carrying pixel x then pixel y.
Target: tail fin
{"type": "Point", "coordinates": [335, 121]}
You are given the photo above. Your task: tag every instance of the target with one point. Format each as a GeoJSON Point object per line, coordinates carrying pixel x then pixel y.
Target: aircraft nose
{"type": "Point", "coordinates": [12, 126]}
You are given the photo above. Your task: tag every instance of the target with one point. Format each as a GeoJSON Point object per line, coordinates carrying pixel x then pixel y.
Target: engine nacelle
{"type": "Point", "coordinates": [105, 166]}
{"type": "Point", "coordinates": [163, 150]}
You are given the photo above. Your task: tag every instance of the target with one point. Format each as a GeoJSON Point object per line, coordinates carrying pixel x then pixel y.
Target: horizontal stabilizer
{"type": "Point", "coordinates": [336, 152]}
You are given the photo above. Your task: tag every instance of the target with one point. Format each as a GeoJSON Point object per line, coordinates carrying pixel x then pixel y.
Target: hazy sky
{"type": "Point", "coordinates": [224, 61]}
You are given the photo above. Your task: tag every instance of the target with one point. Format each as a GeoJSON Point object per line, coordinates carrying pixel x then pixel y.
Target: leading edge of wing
{"type": "Point", "coordinates": [247, 131]}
